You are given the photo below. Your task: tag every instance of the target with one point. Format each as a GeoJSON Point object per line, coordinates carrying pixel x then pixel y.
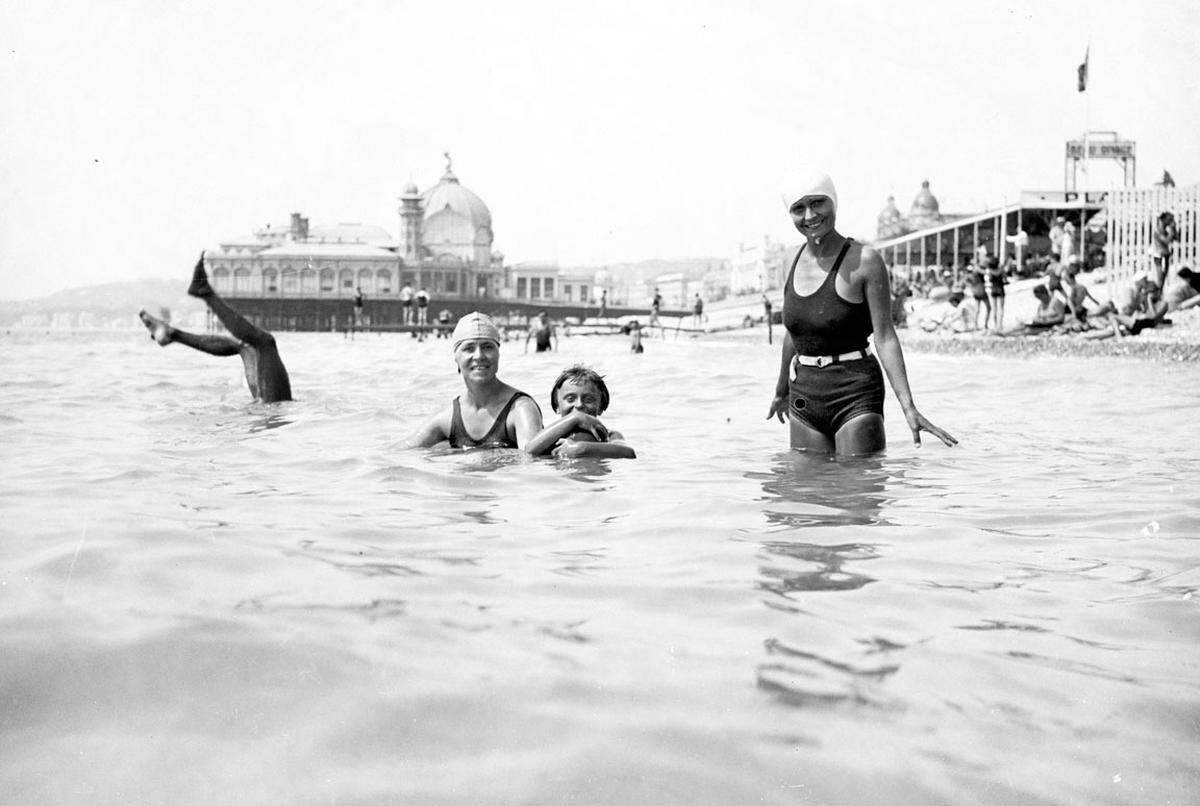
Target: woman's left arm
{"type": "Point", "coordinates": [877, 292]}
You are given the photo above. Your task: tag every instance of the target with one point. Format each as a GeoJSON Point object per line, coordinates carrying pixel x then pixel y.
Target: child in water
{"type": "Point", "coordinates": [580, 396]}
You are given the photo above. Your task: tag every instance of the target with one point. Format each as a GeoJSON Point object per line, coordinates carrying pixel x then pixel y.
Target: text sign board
{"type": "Point", "coordinates": [1101, 149]}
{"type": "Point", "coordinates": [1053, 198]}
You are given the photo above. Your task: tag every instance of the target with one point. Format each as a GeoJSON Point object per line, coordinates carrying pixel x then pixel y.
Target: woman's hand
{"type": "Point", "coordinates": [918, 423]}
{"type": "Point", "coordinates": [779, 406]}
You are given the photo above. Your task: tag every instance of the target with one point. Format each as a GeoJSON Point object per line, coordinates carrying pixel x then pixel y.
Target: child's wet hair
{"type": "Point", "coordinates": [580, 374]}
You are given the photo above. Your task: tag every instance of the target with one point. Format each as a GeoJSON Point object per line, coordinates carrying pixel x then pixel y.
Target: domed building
{"type": "Point", "coordinates": [890, 223]}
{"type": "Point", "coordinates": [445, 247]}
{"type": "Point", "coordinates": [448, 234]}
{"type": "Point", "coordinates": [924, 211]}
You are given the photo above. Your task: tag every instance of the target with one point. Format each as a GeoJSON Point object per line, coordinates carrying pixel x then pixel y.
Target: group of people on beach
{"type": "Point", "coordinates": [829, 388]}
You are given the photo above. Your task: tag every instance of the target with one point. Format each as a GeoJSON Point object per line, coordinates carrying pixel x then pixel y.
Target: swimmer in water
{"type": "Point", "coordinates": [580, 396]}
{"type": "Point", "coordinates": [505, 416]}
{"type": "Point", "coordinates": [265, 374]}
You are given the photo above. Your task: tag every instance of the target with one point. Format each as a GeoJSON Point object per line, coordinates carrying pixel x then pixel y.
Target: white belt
{"type": "Point", "coordinates": [826, 360]}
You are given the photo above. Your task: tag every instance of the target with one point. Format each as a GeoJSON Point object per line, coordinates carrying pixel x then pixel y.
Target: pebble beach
{"type": "Point", "coordinates": [1177, 341]}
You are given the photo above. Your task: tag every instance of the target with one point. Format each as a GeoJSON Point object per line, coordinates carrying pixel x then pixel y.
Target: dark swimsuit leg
{"type": "Point", "coordinates": [274, 385]}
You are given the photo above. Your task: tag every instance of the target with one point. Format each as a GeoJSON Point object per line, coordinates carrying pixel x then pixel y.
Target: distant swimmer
{"type": "Point", "coordinates": [580, 396]}
{"type": "Point", "coordinates": [501, 415]}
{"type": "Point", "coordinates": [265, 373]}
{"type": "Point", "coordinates": [542, 332]}
{"type": "Point", "coordinates": [829, 387]}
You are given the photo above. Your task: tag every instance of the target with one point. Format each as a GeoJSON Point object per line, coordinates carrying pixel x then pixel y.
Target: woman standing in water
{"type": "Point", "coordinates": [502, 416]}
{"type": "Point", "coordinates": [829, 385]}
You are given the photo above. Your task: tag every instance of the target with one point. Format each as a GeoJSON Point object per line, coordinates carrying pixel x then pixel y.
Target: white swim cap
{"type": "Point", "coordinates": [817, 184]}
{"type": "Point", "coordinates": [474, 326]}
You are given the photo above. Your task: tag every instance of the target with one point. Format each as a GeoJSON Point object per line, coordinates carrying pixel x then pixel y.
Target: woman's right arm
{"type": "Point", "coordinates": [434, 430]}
{"type": "Point", "coordinates": [779, 403]}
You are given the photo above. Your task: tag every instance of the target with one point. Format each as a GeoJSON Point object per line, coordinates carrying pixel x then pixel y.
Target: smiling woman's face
{"type": "Point", "coordinates": [813, 216]}
{"type": "Point", "coordinates": [477, 358]}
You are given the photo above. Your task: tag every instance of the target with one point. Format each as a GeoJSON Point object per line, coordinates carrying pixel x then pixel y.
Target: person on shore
{"type": "Point", "coordinates": [502, 415]}
{"type": "Point", "coordinates": [655, 306]}
{"type": "Point", "coordinates": [602, 313]}
{"type": "Point", "coordinates": [1051, 311]}
{"type": "Point", "coordinates": [768, 318]}
{"type": "Point", "coordinates": [1134, 308]}
{"type": "Point", "coordinates": [422, 308]}
{"type": "Point", "coordinates": [901, 291]}
{"type": "Point", "coordinates": [1067, 247]}
{"type": "Point", "coordinates": [1019, 241]}
{"type": "Point", "coordinates": [997, 279]}
{"type": "Point", "coordinates": [406, 304]}
{"type": "Point", "coordinates": [948, 315]}
{"type": "Point", "coordinates": [698, 312]}
{"type": "Point", "coordinates": [579, 396]}
{"type": "Point", "coordinates": [977, 287]}
{"type": "Point", "coordinates": [1184, 291]}
{"type": "Point", "coordinates": [542, 332]}
{"type": "Point", "coordinates": [265, 374]}
{"type": "Point", "coordinates": [359, 301]}
{"type": "Point", "coordinates": [1076, 293]}
{"type": "Point", "coordinates": [829, 387]}
{"type": "Point", "coordinates": [1056, 239]}
{"type": "Point", "coordinates": [1165, 234]}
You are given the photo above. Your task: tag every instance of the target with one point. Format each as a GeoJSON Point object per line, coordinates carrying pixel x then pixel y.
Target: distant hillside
{"type": "Point", "coordinates": [106, 302]}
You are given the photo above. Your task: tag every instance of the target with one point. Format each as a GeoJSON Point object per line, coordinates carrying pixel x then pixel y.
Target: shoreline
{"type": "Point", "coordinates": [1179, 341]}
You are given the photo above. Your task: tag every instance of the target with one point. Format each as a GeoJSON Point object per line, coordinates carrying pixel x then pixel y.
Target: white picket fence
{"type": "Point", "coordinates": [1132, 213]}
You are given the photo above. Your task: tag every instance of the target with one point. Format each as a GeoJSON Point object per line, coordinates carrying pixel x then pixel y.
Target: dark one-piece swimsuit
{"type": "Point", "coordinates": [497, 435]}
{"type": "Point", "coordinates": [823, 324]}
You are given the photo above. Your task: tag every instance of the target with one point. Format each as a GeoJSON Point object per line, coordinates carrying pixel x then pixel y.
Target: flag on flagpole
{"type": "Point", "coordinates": [1081, 83]}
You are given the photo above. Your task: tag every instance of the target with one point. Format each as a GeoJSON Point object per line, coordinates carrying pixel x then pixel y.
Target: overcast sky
{"type": "Point", "coordinates": [136, 133]}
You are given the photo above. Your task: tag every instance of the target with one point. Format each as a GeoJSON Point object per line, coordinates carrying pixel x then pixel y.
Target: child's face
{"type": "Point", "coordinates": [575, 395]}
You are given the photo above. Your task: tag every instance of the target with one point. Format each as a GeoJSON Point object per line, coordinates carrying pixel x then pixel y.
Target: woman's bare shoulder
{"type": "Point", "coordinates": [869, 261]}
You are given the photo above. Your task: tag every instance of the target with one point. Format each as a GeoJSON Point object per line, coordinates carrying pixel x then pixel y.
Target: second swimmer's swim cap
{"type": "Point", "coordinates": [474, 326]}
{"type": "Point", "coordinates": [818, 184]}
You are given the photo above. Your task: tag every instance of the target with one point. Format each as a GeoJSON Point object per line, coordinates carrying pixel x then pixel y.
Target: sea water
{"type": "Point", "coordinates": [208, 600]}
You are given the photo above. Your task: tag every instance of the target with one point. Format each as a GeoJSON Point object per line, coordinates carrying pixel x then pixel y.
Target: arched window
{"type": "Point", "coordinates": [220, 280]}
{"type": "Point", "coordinates": [366, 281]}
{"type": "Point", "coordinates": [270, 280]}
{"type": "Point", "coordinates": [327, 281]}
{"type": "Point", "coordinates": [290, 281]}
{"type": "Point", "coordinates": [346, 281]}
{"type": "Point", "coordinates": [308, 281]}
{"type": "Point", "coordinates": [241, 281]}
{"type": "Point", "coordinates": [383, 281]}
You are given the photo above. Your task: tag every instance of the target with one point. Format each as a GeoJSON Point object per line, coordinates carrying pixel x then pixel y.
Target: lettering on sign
{"type": "Point", "coordinates": [1105, 149]}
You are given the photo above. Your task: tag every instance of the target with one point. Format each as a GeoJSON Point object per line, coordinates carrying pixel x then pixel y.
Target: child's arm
{"type": "Point", "coordinates": [549, 436]}
{"type": "Point", "coordinates": [615, 448]}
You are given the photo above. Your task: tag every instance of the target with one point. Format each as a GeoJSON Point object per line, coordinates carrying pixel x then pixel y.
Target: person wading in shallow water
{"type": "Point", "coordinates": [265, 373]}
{"type": "Point", "coordinates": [829, 386]}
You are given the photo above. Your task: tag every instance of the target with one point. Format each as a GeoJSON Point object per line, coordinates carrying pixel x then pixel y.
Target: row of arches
{"type": "Point", "coordinates": [303, 281]}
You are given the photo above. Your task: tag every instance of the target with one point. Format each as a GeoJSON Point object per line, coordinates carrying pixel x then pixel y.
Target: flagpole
{"type": "Point", "coordinates": [1087, 119]}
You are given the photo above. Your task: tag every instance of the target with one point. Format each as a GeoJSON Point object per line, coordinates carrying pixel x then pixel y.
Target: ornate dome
{"type": "Point", "coordinates": [924, 211]}
{"type": "Point", "coordinates": [448, 194]}
{"type": "Point", "coordinates": [891, 222]}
